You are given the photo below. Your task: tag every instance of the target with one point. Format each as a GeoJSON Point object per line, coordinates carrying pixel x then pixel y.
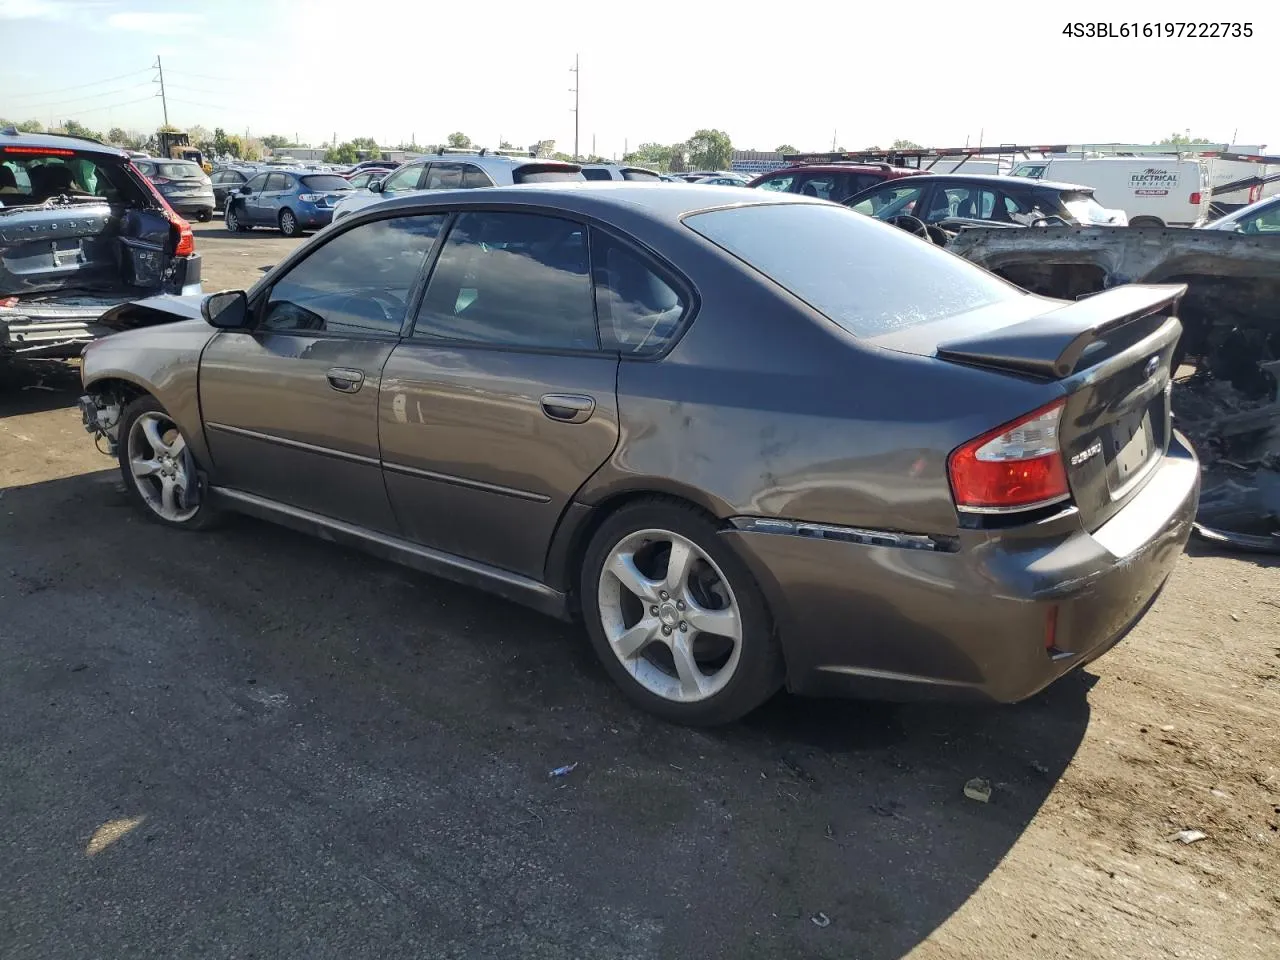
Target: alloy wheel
{"type": "Point", "coordinates": [162, 468]}
{"type": "Point", "coordinates": [288, 224]}
{"type": "Point", "coordinates": [670, 615]}
{"type": "Point", "coordinates": [231, 220]}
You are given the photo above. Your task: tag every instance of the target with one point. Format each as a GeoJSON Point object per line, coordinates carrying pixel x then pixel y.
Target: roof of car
{"type": "Point", "coordinates": [1004, 179]}
{"type": "Point", "coordinates": [843, 168]}
{"type": "Point", "coordinates": [9, 137]}
{"type": "Point", "coordinates": [662, 201]}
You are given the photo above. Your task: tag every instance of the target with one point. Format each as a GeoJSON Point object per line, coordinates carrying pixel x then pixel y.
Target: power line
{"type": "Point", "coordinates": [87, 96]}
{"type": "Point", "coordinates": [193, 103]}
{"type": "Point", "coordinates": [62, 115]}
{"type": "Point", "coordinates": [201, 76]}
{"type": "Point", "coordinates": [181, 86]}
{"type": "Point", "coordinates": [78, 86]}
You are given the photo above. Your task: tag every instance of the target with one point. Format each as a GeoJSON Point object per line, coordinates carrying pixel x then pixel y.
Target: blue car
{"type": "Point", "coordinates": [289, 200]}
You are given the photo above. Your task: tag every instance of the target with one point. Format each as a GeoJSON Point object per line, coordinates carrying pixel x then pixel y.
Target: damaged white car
{"type": "Point", "coordinates": [81, 230]}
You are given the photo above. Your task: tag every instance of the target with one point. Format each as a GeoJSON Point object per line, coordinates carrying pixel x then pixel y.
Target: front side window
{"type": "Point", "coordinates": [890, 202]}
{"type": "Point", "coordinates": [779, 184]}
{"type": "Point", "coordinates": [639, 311]}
{"type": "Point", "coordinates": [1262, 221]}
{"type": "Point", "coordinates": [357, 283]}
{"type": "Point", "coordinates": [257, 183]}
{"type": "Point", "coordinates": [867, 278]}
{"type": "Point", "coordinates": [511, 279]}
{"type": "Point", "coordinates": [406, 178]}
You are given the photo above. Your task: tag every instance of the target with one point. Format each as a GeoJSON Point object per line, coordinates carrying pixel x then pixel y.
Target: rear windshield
{"type": "Point", "coordinates": [537, 173]}
{"type": "Point", "coordinates": [640, 175]}
{"type": "Point", "coordinates": [595, 173]}
{"type": "Point", "coordinates": [868, 277]}
{"type": "Point", "coordinates": [324, 181]}
{"type": "Point", "coordinates": [31, 178]}
{"type": "Point", "coordinates": [179, 171]}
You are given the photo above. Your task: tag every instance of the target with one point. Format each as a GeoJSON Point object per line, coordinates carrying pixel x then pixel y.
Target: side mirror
{"type": "Point", "coordinates": [228, 310]}
{"type": "Point", "coordinates": [375, 186]}
{"type": "Point", "coordinates": [245, 190]}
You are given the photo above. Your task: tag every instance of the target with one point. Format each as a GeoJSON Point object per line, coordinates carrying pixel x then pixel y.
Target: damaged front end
{"type": "Point", "coordinates": [1227, 364]}
{"type": "Point", "coordinates": [100, 413]}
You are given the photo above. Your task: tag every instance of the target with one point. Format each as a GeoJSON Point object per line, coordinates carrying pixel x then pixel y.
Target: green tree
{"type": "Point", "coordinates": [74, 128]}
{"type": "Point", "coordinates": [459, 140]}
{"type": "Point", "coordinates": [655, 155]}
{"type": "Point", "coordinates": [351, 151]}
{"type": "Point", "coordinates": [506, 145]}
{"type": "Point", "coordinates": [274, 140]}
{"type": "Point", "coordinates": [710, 150]}
{"type": "Point", "coordinates": [23, 126]}
{"type": "Point", "coordinates": [1182, 139]}
{"type": "Point", "coordinates": [786, 148]}
{"type": "Point", "coordinates": [118, 136]}
{"type": "Point", "coordinates": [905, 145]}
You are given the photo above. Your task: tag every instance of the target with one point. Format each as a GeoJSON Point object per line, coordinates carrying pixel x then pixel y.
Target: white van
{"type": "Point", "coordinates": [1153, 191]}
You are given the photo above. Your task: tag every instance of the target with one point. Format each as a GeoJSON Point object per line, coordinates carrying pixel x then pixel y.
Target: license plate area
{"type": "Point", "coordinates": [1133, 446]}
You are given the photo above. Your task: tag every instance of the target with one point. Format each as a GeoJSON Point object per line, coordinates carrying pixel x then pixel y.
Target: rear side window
{"type": "Point", "coordinates": [541, 173]}
{"type": "Point", "coordinates": [357, 283]}
{"type": "Point", "coordinates": [640, 312]}
{"type": "Point", "coordinates": [869, 278]}
{"type": "Point", "coordinates": [596, 174]}
{"type": "Point", "coordinates": [643, 175]}
{"type": "Point", "coordinates": [473, 177]}
{"type": "Point", "coordinates": [511, 279]}
{"type": "Point", "coordinates": [444, 176]}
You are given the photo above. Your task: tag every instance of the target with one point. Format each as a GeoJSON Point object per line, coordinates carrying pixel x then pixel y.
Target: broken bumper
{"type": "Point", "coordinates": [59, 328]}
{"type": "Point", "coordinates": [998, 619]}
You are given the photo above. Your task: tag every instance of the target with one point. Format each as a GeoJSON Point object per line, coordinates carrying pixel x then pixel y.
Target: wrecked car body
{"type": "Point", "coordinates": [1227, 364]}
{"type": "Point", "coordinates": [81, 231]}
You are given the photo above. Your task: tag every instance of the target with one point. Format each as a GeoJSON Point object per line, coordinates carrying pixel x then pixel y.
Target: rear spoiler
{"type": "Point", "coordinates": [1051, 344]}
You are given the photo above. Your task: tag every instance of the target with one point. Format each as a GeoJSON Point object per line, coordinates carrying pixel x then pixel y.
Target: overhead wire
{"type": "Point", "coordinates": [62, 115]}
{"type": "Point", "coordinates": [87, 96]}
{"type": "Point", "coordinates": [77, 86]}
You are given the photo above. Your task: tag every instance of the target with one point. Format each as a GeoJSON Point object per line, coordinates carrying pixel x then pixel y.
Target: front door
{"type": "Point", "coordinates": [271, 199]}
{"type": "Point", "coordinates": [250, 200]}
{"type": "Point", "coordinates": [501, 403]}
{"type": "Point", "coordinates": [291, 406]}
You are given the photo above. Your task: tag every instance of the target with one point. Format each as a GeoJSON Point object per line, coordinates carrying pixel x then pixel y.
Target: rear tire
{"type": "Point", "coordinates": [204, 216]}
{"type": "Point", "coordinates": [159, 470]}
{"type": "Point", "coordinates": [709, 654]}
{"type": "Point", "coordinates": [1146, 222]}
{"type": "Point", "coordinates": [289, 225]}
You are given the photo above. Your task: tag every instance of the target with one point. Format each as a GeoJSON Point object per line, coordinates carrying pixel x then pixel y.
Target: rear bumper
{"type": "Point", "coordinates": [59, 328]}
{"type": "Point", "coordinates": [896, 623]}
{"type": "Point", "coordinates": [310, 216]}
{"type": "Point", "coordinates": [194, 203]}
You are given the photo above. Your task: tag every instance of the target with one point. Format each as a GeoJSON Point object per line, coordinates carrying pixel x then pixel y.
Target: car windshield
{"type": "Point", "coordinates": [326, 182]}
{"type": "Point", "coordinates": [179, 171]}
{"type": "Point", "coordinates": [1085, 209]}
{"type": "Point", "coordinates": [869, 278]}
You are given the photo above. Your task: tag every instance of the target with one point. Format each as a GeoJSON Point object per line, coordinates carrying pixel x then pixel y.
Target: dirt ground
{"type": "Point", "coordinates": [247, 743]}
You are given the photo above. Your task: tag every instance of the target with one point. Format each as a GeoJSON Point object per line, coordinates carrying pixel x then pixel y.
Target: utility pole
{"type": "Point", "coordinates": [593, 144]}
{"type": "Point", "coordinates": [164, 103]}
{"type": "Point", "coordinates": [574, 91]}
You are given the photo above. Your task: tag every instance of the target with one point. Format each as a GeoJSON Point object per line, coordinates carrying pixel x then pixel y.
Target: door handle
{"type": "Point", "coordinates": [346, 379]}
{"type": "Point", "coordinates": [568, 407]}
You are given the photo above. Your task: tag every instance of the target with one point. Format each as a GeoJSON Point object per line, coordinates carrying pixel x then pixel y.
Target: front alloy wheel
{"type": "Point", "coordinates": [162, 469]}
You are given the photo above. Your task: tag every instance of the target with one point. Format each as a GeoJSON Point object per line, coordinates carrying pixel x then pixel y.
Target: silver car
{"type": "Point", "coordinates": [459, 169]}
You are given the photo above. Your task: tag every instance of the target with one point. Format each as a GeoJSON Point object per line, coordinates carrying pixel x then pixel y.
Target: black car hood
{"type": "Point", "coordinates": [166, 308]}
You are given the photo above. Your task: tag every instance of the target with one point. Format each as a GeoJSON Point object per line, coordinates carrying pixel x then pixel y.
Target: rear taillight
{"type": "Point", "coordinates": [186, 244]}
{"type": "Point", "coordinates": [1195, 199]}
{"type": "Point", "coordinates": [1255, 193]}
{"type": "Point", "coordinates": [1016, 466]}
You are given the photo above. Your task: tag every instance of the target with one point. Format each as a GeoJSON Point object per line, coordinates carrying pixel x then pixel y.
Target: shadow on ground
{"type": "Point", "coordinates": [33, 386]}
{"type": "Point", "coordinates": [336, 757]}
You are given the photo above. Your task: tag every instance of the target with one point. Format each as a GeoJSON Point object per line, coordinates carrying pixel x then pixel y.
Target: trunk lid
{"type": "Point", "coordinates": [1111, 355]}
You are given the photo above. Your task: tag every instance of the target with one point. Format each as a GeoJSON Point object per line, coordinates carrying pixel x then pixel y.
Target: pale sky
{"type": "Point", "coordinates": [764, 73]}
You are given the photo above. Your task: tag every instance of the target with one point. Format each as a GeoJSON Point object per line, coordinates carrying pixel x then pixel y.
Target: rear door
{"type": "Point", "coordinates": [502, 402]}
{"type": "Point", "coordinates": [291, 406]}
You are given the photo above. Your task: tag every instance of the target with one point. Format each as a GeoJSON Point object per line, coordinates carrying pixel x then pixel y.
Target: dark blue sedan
{"type": "Point", "coordinates": [290, 200]}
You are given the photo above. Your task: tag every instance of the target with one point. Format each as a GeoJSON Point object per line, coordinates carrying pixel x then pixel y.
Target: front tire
{"type": "Point", "coordinates": [231, 219]}
{"type": "Point", "coordinates": [676, 617]}
{"type": "Point", "coordinates": [159, 470]}
{"type": "Point", "coordinates": [289, 225]}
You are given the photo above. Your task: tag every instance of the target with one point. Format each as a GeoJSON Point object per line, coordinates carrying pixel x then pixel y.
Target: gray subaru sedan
{"type": "Point", "coordinates": [749, 439]}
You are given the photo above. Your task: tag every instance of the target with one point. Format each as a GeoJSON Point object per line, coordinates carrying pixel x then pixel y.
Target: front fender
{"type": "Point", "coordinates": [163, 361]}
